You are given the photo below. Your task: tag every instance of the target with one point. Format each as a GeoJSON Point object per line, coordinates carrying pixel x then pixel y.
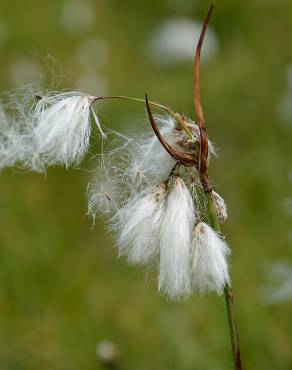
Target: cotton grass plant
{"type": "Point", "coordinates": [154, 189]}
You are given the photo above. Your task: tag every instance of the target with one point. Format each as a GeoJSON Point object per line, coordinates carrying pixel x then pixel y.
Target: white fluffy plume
{"type": "Point", "coordinates": [221, 208]}
{"type": "Point", "coordinates": [175, 241]}
{"type": "Point", "coordinates": [138, 224]}
{"type": "Point", "coordinates": [209, 260]}
{"type": "Point", "coordinates": [61, 128]}
{"type": "Point", "coordinates": [55, 130]}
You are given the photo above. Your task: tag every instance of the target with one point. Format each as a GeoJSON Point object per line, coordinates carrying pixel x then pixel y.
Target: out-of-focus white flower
{"type": "Point", "coordinates": [174, 42]}
{"type": "Point", "coordinates": [26, 71]}
{"type": "Point", "coordinates": [279, 287]}
{"type": "Point", "coordinates": [78, 16]}
{"type": "Point", "coordinates": [138, 224]}
{"type": "Point", "coordinates": [175, 242]}
{"type": "Point", "coordinates": [93, 53]}
{"type": "Point", "coordinates": [287, 206]}
{"type": "Point", "coordinates": [209, 260]}
{"type": "Point", "coordinates": [284, 107]}
{"type": "Point", "coordinates": [107, 352]}
{"type": "Point", "coordinates": [92, 82]}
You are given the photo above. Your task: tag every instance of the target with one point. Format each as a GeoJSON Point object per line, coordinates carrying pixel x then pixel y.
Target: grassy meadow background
{"type": "Point", "coordinates": [62, 287]}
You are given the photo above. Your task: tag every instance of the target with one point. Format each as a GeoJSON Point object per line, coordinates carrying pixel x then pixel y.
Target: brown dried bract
{"type": "Point", "coordinates": [181, 157]}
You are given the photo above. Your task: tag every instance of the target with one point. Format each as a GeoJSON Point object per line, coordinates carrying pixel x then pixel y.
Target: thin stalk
{"type": "Point", "coordinates": [228, 293]}
{"type": "Point", "coordinates": [206, 184]}
{"type": "Point", "coordinates": [176, 116]}
{"type": "Point", "coordinates": [157, 105]}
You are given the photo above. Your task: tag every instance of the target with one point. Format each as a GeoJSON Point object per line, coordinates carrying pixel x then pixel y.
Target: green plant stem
{"type": "Point", "coordinates": [176, 116]}
{"type": "Point", "coordinates": [227, 291]}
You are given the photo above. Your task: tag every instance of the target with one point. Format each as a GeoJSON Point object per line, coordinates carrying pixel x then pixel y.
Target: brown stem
{"type": "Point", "coordinates": [203, 165]}
{"type": "Point", "coordinates": [205, 181]}
{"type": "Point", "coordinates": [233, 328]}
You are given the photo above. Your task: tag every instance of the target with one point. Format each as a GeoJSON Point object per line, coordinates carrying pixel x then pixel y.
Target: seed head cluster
{"type": "Point", "coordinates": [153, 201]}
{"type": "Point", "coordinates": [158, 216]}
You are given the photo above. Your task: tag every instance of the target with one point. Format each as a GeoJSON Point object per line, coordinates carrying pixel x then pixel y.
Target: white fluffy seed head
{"type": "Point", "coordinates": [175, 241]}
{"type": "Point", "coordinates": [61, 128]}
{"type": "Point", "coordinates": [209, 260]}
{"type": "Point", "coordinates": [221, 208]}
{"type": "Point", "coordinates": [138, 224]}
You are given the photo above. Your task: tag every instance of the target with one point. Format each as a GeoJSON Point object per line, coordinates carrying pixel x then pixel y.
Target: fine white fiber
{"type": "Point", "coordinates": [12, 143]}
{"type": "Point", "coordinates": [3, 117]}
{"type": "Point", "coordinates": [104, 194]}
{"type": "Point", "coordinates": [221, 208]}
{"type": "Point", "coordinates": [7, 157]}
{"type": "Point", "coordinates": [138, 224]}
{"type": "Point", "coordinates": [11, 149]}
{"type": "Point", "coordinates": [209, 260]}
{"type": "Point", "coordinates": [150, 159]}
{"type": "Point", "coordinates": [61, 128]}
{"type": "Point", "coordinates": [175, 242]}
{"type": "Point", "coordinates": [142, 160]}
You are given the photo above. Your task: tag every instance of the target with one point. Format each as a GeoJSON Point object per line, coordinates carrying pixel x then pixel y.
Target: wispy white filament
{"type": "Point", "coordinates": [150, 160]}
{"type": "Point", "coordinates": [11, 141]}
{"type": "Point", "coordinates": [209, 260]}
{"type": "Point", "coordinates": [175, 241]}
{"type": "Point", "coordinates": [278, 288]}
{"type": "Point", "coordinates": [104, 194]}
{"type": "Point", "coordinates": [138, 223]}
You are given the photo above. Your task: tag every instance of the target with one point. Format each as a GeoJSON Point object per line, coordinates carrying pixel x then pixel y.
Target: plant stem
{"type": "Point", "coordinates": [176, 116]}
{"type": "Point", "coordinates": [157, 105]}
{"type": "Point", "coordinates": [227, 291]}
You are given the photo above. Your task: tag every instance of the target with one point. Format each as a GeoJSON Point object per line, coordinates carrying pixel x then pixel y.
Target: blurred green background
{"type": "Point", "coordinates": [62, 287]}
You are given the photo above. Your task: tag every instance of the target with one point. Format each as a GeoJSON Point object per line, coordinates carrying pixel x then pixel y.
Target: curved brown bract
{"type": "Point", "coordinates": [184, 158]}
